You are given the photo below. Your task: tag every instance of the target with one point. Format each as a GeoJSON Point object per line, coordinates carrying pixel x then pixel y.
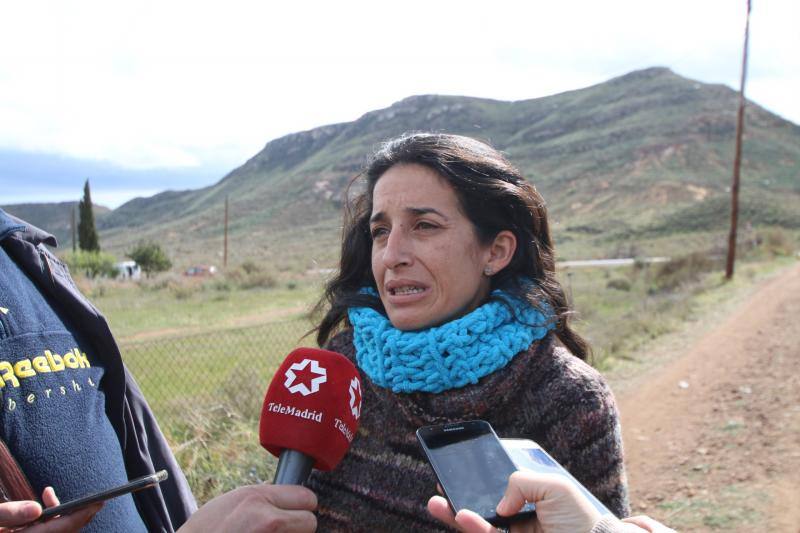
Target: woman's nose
{"type": "Point", "coordinates": [398, 250]}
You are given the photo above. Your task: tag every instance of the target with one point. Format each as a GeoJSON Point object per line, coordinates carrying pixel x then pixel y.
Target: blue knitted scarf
{"type": "Point", "coordinates": [449, 356]}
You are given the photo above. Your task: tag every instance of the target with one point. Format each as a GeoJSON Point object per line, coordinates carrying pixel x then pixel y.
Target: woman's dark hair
{"type": "Point", "coordinates": [493, 195]}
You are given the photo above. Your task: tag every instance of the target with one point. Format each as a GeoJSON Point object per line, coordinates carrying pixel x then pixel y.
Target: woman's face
{"type": "Point", "coordinates": [426, 258]}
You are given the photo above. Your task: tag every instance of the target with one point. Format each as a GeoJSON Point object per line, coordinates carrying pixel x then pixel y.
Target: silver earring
{"type": "Point", "coordinates": [488, 271]}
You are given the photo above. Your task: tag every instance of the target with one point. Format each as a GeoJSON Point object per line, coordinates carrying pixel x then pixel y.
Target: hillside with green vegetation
{"type": "Point", "coordinates": [639, 163]}
{"type": "Point", "coordinates": [55, 218]}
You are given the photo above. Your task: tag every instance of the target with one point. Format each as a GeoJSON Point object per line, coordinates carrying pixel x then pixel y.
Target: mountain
{"type": "Point", "coordinates": [633, 159]}
{"type": "Point", "coordinates": [55, 218]}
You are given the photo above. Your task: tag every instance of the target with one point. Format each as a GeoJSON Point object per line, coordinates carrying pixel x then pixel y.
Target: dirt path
{"type": "Point", "coordinates": [713, 436]}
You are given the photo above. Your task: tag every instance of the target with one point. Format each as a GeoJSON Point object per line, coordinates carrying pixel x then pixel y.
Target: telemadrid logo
{"type": "Point", "coordinates": [355, 398]}
{"type": "Point", "coordinates": [300, 387]}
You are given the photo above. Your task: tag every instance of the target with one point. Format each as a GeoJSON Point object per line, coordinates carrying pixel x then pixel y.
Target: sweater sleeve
{"type": "Point", "coordinates": [583, 433]}
{"type": "Point", "coordinates": [609, 524]}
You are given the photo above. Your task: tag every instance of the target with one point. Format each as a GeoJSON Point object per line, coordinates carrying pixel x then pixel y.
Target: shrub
{"type": "Point", "coordinates": [250, 276]}
{"type": "Point", "coordinates": [256, 280]}
{"type": "Point", "coordinates": [685, 269]}
{"type": "Point", "coordinates": [775, 241]}
{"type": "Point", "coordinates": [183, 292]}
{"type": "Point", "coordinates": [150, 257]}
{"type": "Point", "coordinates": [92, 264]}
{"type": "Point", "coordinates": [250, 267]}
{"type": "Point", "coordinates": [162, 283]}
{"type": "Point", "coordinates": [619, 284]}
{"type": "Point", "coordinates": [222, 285]}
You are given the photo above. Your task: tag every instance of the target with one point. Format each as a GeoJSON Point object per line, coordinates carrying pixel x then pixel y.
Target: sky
{"type": "Point", "coordinates": [177, 93]}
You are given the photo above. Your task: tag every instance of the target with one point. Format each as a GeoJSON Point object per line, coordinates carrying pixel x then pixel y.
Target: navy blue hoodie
{"type": "Point", "coordinates": [71, 413]}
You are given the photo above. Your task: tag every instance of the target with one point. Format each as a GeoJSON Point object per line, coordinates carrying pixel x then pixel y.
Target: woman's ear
{"type": "Point", "coordinates": [501, 251]}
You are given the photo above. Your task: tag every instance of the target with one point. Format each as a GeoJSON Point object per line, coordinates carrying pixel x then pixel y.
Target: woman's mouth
{"type": "Point", "coordinates": [403, 291]}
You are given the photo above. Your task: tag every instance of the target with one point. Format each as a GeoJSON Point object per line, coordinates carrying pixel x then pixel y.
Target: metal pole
{"type": "Point", "coordinates": [737, 161]}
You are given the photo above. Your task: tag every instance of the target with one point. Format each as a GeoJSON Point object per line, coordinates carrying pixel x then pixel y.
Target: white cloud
{"type": "Point", "coordinates": [188, 83]}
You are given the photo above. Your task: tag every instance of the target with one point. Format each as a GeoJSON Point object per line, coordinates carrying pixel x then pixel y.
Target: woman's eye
{"type": "Point", "coordinates": [425, 225]}
{"type": "Point", "coordinates": [376, 233]}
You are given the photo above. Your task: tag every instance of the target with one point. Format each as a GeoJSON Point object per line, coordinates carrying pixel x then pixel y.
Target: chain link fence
{"type": "Point", "coordinates": [228, 368]}
{"type": "Point", "coordinates": [206, 391]}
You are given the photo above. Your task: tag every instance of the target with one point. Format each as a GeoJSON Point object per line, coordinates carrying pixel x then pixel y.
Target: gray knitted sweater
{"type": "Point", "coordinates": [544, 394]}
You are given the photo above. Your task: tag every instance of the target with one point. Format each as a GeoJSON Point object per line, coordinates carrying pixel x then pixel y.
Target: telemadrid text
{"type": "Point", "coordinates": [306, 414]}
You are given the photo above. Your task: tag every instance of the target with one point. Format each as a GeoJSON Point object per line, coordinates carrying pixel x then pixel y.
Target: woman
{"type": "Point", "coordinates": [447, 301]}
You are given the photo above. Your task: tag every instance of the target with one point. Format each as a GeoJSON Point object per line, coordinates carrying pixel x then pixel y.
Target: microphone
{"type": "Point", "coordinates": [310, 413]}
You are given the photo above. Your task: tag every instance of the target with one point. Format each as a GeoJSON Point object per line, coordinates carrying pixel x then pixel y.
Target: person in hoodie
{"type": "Point", "coordinates": [74, 422]}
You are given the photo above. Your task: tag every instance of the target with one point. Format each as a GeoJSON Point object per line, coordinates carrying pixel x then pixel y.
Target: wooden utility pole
{"type": "Point", "coordinates": [225, 245]}
{"type": "Point", "coordinates": [74, 238]}
{"type": "Point", "coordinates": [737, 161]}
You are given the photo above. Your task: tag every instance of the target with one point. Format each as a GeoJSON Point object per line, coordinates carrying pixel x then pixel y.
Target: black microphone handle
{"type": "Point", "coordinates": [293, 468]}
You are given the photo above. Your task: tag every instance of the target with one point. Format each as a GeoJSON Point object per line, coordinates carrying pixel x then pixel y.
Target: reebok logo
{"type": "Point", "coordinates": [308, 381]}
{"type": "Point", "coordinates": [12, 373]}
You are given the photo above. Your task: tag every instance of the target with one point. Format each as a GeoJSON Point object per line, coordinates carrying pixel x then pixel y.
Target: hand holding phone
{"type": "Point", "coordinates": [528, 455]}
{"type": "Point", "coordinates": [132, 486]}
{"type": "Point", "coordinates": [14, 514]}
{"type": "Point", "coordinates": [560, 507]}
{"type": "Point", "coordinates": [472, 468]}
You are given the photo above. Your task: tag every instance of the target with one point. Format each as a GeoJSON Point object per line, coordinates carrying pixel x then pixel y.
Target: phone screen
{"type": "Point", "coordinates": [472, 466]}
{"type": "Point", "coordinates": [132, 486]}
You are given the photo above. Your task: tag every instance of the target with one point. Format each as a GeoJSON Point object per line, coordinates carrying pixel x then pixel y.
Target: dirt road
{"type": "Point", "coordinates": [713, 436]}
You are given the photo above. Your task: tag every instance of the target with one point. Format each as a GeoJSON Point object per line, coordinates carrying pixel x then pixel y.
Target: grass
{"type": "Point", "coordinates": [176, 371]}
{"type": "Point", "coordinates": [181, 304]}
{"type": "Point", "coordinates": [620, 325]}
{"type": "Point", "coordinates": [204, 368]}
{"type": "Point", "coordinates": [206, 390]}
{"type": "Point", "coordinates": [617, 322]}
{"type": "Point", "coordinates": [217, 445]}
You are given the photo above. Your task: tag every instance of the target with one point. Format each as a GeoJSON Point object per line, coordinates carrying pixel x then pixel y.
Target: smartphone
{"type": "Point", "coordinates": [472, 467]}
{"type": "Point", "coordinates": [528, 455]}
{"type": "Point", "coordinates": [132, 486]}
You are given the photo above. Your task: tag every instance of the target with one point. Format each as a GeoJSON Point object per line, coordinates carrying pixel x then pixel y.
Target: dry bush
{"type": "Point", "coordinates": [682, 270]}
{"type": "Point", "coordinates": [258, 280]}
{"type": "Point", "coordinates": [619, 284]}
{"type": "Point", "coordinates": [776, 242]}
{"type": "Point", "coordinates": [250, 266]}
